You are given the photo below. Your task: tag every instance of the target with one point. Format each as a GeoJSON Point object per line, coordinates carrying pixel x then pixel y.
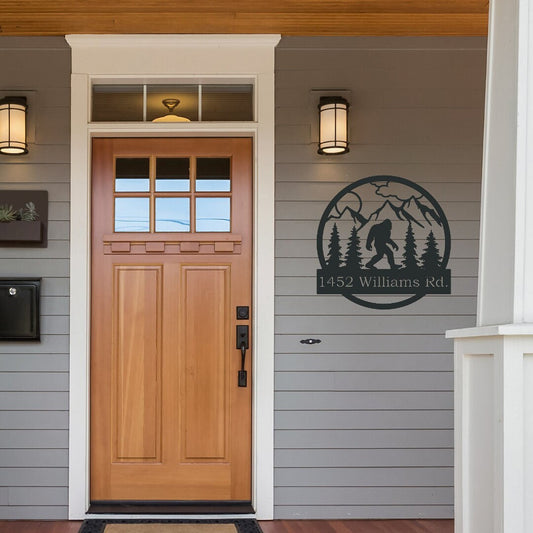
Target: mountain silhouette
{"type": "Point", "coordinates": [355, 215]}
{"type": "Point", "coordinates": [428, 211]}
{"type": "Point", "coordinates": [411, 210]}
{"type": "Point", "coordinates": [384, 211]}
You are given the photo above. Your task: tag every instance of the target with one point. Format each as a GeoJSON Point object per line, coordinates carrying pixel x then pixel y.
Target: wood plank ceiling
{"type": "Point", "coordinates": [288, 17]}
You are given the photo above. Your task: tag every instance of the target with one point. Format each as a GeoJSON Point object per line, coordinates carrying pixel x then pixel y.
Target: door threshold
{"type": "Point", "coordinates": [170, 507]}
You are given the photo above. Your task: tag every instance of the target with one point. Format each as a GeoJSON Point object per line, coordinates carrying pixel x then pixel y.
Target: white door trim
{"type": "Point", "coordinates": [172, 56]}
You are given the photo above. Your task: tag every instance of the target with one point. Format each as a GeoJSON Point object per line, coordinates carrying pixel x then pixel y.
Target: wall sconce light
{"type": "Point", "coordinates": [13, 125]}
{"type": "Point", "coordinates": [333, 125]}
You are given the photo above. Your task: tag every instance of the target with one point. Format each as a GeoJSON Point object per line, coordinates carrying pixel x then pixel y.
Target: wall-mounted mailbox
{"type": "Point", "coordinates": [19, 309]}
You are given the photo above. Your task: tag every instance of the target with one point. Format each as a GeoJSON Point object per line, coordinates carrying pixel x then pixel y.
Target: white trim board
{"type": "Point", "coordinates": [153, 57]}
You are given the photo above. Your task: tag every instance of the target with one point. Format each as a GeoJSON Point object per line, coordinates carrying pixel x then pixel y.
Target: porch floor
{"type": "Point", "coordinates": [275, 526]}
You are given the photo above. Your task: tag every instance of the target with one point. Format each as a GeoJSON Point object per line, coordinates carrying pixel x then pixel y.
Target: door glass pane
{"type": "Point", "coordinates": [132, 214]}
{"type": "Point", "coordinates": [132, 174]}
{"type": "Point", "coordinates": [172, 214]}
{"type": "Point", "coordinates": [227, 102]}
{"type": "Point", "coordinates": [117, 103]}
{"type": "Point", "coordinates": [213, 174]}
{"type": "Point", "coordinates": [171, 103]}
{"type": "Point", "coordinates": [213, 214]}
{"type": "Point", "coordinates": [172, 174]}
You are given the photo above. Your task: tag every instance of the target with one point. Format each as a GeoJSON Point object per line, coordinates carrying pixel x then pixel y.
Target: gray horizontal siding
{"type": "Point", "coordinates": [48, 344]}
{"type": "Point", "coordinates": [33, 477]}
{"type": "Point", "coordinates": [341, 401]}
{"type": "Point", "coordinates": [346, 438]}
{"type": "Point", "coordinates": [34, 362]}
{"type": "Point", "coordinates": [60, 192]}
{"type": "Point", "coordinates": [56, 249]}
{"type": "Point", "coordinates": [34, 381]}
{"type": "Point", "coordinates": [363, 381]}
{"type": "Point", "coordinates": [33, 512]}
{"type": "Point", "coordinates": [32, 438]}
{"type": "Point", "coordinates": [33, 401]}
{"type": "Point", "coordinates": [364, 458]}
{"type": "Point", "coordinates": [468, 192]}
{"type": "Point", "coordinates": [351, 362]}
{"type": "Point", "coordinates": [34, 458]}
{"type": "Point", "coordinates": [34, 375]}
{"type": "Point", "coordinates": [54, 305]}
{"type": "Point", "coordinates": [364, 477]}
{"type": "Point", "coordinates": [368, 419]}
{"type": "Point", "coordinates": [438, 154]}
{"type": "Point", "coordinates": [370, 495]}
{"type": "Point", "coordinates": [363, 343]}
{"type": "Point", "coordinates": [34, 419]}
{"type": "Point", "coordinates": [364, 420]}
{"type": "Point", "coordinates": [361, 512]}
{"type": "Point", "coordinates": [367, 325]}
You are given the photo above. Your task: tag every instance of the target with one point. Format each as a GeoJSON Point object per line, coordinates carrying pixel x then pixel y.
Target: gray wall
{"type": "Point", "coordinates": [364, 420]}
{"type": "Point", "coordinates": [34, 376]}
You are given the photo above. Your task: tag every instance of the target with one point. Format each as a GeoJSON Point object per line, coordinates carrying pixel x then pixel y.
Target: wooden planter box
{"type": "Point", "coordinates": [20, 231]}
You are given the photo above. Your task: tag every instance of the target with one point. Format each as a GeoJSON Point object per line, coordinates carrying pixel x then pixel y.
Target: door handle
{"type": "Point", "coordinates": [242, 345]}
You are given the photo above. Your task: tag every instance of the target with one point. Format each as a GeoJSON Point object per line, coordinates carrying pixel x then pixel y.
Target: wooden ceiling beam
{"type": "Point", "coordinates": [38, 7]}
{"type": "Point", "coordinates": [288, 17]}
{"type": "Point", "coordinates": [286, 24]}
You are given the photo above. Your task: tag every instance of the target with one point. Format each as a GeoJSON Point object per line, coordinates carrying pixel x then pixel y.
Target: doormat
{"type": "Point", "coordinates": [170, 526]}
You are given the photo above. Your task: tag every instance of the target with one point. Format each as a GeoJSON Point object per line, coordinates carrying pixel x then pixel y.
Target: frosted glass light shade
{"type": "Point", "coordinates": [13, 126]}
{"type": "Point", "coordinates": [171, 118]}
{"type": "Point", "coordinates": [333, 119]}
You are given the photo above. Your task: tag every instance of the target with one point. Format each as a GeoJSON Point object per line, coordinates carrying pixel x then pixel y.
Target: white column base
{"type": "Point", "coordinates": [494, 429]}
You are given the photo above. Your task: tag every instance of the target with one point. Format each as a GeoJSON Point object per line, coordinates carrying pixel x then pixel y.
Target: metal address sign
{"type": "Point", "coordinates": [383, 242]}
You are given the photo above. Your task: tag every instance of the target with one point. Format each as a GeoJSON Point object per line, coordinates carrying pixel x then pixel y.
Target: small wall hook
{"type": "Point", "coordinates": [310, 341]}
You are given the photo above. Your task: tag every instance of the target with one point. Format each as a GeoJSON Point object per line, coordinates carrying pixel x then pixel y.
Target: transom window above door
{"type": "Point", "coordinates": [172, 194]}
{"type": "Point", "coordinates": [213, 102]}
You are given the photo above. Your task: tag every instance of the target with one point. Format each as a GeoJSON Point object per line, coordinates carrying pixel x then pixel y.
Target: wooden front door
{"type": "Point", "coordinates": [171, 262]}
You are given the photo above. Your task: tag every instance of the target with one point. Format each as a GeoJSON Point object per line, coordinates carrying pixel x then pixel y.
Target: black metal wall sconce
{"type": "Point", "coordinates": [333, 125]}
{"type": "Point", "coordinates": [13, 125]}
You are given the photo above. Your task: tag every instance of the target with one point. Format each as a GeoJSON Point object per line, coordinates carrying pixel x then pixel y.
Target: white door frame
{"type": "Point", "coordinates": [177, 59]}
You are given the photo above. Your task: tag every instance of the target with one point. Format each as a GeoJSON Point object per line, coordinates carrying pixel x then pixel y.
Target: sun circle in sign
{"type": "Point", "coordinates": [383, 242]}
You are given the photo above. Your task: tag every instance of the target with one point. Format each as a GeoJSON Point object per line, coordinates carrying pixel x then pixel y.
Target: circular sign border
{"type": "Point", "coordinates": [370, 179]}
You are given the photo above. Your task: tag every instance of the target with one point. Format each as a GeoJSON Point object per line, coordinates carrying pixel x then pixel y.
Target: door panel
{"type": "Point", "coordinates": [136, 411]}
{"type": "Point", "coordinates": [168, 419]}
{"type": "Point", "coordinates": [205, 399]}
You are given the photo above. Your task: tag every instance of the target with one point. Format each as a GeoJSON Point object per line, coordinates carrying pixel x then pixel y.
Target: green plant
{"type": "Point", "coordinates": [7, 213]}
{"type": "Point", "coordinates": [29, 212]}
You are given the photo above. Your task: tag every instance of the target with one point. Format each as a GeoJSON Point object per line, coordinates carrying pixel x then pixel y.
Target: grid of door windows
{"type": "Point", "coordinates": [172, 194]}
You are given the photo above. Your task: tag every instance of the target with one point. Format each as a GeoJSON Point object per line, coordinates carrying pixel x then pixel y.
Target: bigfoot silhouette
{"type": "Point", "coordinates": [379, 234]}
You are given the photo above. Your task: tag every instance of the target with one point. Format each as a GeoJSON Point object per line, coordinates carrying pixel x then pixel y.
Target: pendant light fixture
{"type": "Point", "coordinates": [171, 104]}
{"type": "Point", "coordinates": [333, 125]}
{"type": "Point", "coordinates": [13, 125]}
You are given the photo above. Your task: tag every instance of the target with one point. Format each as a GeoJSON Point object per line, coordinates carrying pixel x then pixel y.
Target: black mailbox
{"type": "Point", "coordinates": [19, 309]}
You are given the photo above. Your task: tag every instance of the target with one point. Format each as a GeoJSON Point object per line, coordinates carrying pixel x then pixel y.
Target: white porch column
{"type": "Point", "coordinates": [494, 361]}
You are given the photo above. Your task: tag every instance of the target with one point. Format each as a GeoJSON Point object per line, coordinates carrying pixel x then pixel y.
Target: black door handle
{"type": "Point", "coordinates": [242, 345]}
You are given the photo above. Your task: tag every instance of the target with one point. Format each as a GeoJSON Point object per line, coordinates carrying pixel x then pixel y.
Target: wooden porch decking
{"type": "Point", "coordinates": [276, 526]}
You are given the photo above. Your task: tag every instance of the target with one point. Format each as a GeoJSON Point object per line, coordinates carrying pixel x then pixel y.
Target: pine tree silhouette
{"type": "Point", "coordinates": [334, 254]}
{"type": "Point", "coordinates": [410, 260]}
{"type": "Point", "coordinates": [353, 258]}
{"type": "Point", "coordinates": [430, 258]}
